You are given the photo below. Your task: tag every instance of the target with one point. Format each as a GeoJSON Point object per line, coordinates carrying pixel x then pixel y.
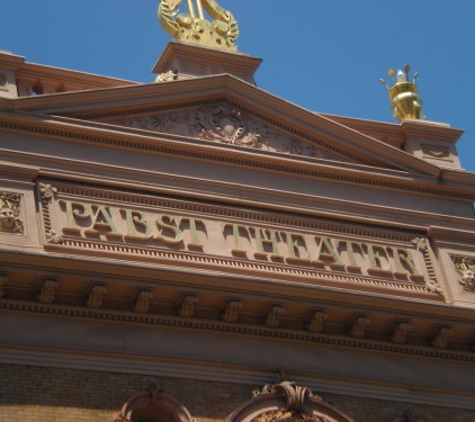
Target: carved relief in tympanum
{"type": "Point", "coordinates": [465, 267]}
{"type": "Point", "coordinates": [10, 221]}
{"type": "Point", "coordinates": [225, 124]}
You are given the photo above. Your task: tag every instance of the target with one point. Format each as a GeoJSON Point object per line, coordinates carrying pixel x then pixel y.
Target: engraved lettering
{"type": "Point", "coordinates": [168, 231]}
{"type": "Point", "coordinates": [138, 227]}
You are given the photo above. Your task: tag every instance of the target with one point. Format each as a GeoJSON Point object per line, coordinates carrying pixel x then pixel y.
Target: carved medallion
{"type": "Point", "coordinates": [226, 125]}
{"type": "Point", "coordinates": [10, 221]}
{"type": "Point", "coordinates": [465, 267]}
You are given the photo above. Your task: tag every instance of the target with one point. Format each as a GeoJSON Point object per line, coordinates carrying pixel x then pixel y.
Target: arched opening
{"type": "Point", "coordinates": [153, 405]}
{"type": "Point", "coordinates": [286, 402]}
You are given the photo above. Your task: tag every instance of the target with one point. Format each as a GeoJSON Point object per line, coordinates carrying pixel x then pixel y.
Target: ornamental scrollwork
{"type": "Point", "coordinates": [465, 267]}
{"type": "Point", "coordinates": [226, 125]}
{"type": "Point", "coordinates": [10, 221]}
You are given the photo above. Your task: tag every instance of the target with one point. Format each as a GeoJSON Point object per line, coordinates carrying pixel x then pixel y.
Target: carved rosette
{"type": "Point", "coordinates": [465, 267]}
{"type": "Point", "coordinates": [10, 221]}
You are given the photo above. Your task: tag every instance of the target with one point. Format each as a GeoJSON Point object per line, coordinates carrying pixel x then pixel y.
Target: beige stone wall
{"type": "Point", "coordinates": [63, 395]}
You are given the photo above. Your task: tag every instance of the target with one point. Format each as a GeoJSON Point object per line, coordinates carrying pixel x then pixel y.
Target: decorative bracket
{"type": "Point", "coordinates": [95, 297]}
{"type": "Point", "coordinates": [187, 306]}
{"type": "Point", "coordinates": [272, 319]}
{"type": "Point", "coordinates": [48, 290]}
{"type": "Point", "coordinates": [142, 303]}
{"type": "Point", "coordinates": [231, 310]}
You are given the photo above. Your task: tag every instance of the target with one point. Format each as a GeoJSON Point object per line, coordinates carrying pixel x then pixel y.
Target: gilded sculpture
{"type": "Point", "coordinates": [221, 32]}
{"type": "Point", "coordinates": [405, 100]}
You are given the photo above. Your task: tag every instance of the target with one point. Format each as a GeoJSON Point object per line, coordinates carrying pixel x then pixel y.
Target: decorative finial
{"type": "Point", "coordinates": [221, 32]}
{"type": "Point", "coordinates": [405, 102]}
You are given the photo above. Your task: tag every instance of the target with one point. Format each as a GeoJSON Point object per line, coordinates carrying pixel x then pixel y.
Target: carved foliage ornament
{"type": "Point", "coordinates": [10, 221]}
{"type": "Point", "coordinates": [465, 267]}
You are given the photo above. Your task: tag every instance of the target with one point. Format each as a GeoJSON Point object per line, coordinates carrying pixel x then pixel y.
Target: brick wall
{"type": "Point", "coordinates": [62, 395]}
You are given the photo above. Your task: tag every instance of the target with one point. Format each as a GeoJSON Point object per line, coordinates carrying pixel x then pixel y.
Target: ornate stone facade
{"type": "Point", "coordinates": [177, 245]}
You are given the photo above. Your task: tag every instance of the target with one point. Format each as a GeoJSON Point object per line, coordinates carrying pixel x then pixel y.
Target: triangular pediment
{"type": "Point", "coordinates": [229, 124]}
{"type": "Point", "coordinates": [225, 110]}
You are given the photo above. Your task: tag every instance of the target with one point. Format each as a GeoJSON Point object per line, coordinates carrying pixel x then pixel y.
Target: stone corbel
{"type": "Point", "coordinates": [272, 319]}
{"type": "Point", "coordinates": [316, 323]}
{"type": "Point", "coordinates": [357, 328]}
{"type": "Point", "coordinates": [441, 338]}
{"type": "Point", "coordinates": [399, 334]}
{"type": "Point", "coordinates": [48, 290]}
{"type": "Point", "coordinates": [142, 303]}
{"type": "Point", "coordinates": [3, 282]}
{"type": "Point", "coordinates": [187, 306]}
{"type": "Point", "coordinates": [231, 310]}
{"type": "Point", "coordinates": [94, 300]}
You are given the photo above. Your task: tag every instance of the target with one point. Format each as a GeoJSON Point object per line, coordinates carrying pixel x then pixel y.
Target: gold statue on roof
{"type": "Point", "coordinates": [221, 32]}
{"type": "Point", "coordinates": [405, 101]}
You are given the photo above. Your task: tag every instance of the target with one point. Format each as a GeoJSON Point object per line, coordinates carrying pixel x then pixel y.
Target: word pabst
{"type": "Point", "coordinates": [231, 239]}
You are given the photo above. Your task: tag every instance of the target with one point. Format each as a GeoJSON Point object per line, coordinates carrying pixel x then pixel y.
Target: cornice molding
{"type": "Point", "coordinates": [227, 373]}
{"type": "Point", "coordinates": [212, 152]}
{"type": "Point", "coordinates": [234, 328]}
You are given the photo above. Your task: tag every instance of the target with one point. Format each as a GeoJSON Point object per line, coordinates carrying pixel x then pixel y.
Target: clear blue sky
{"type": "Point", "coordinates": [324, 55]}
